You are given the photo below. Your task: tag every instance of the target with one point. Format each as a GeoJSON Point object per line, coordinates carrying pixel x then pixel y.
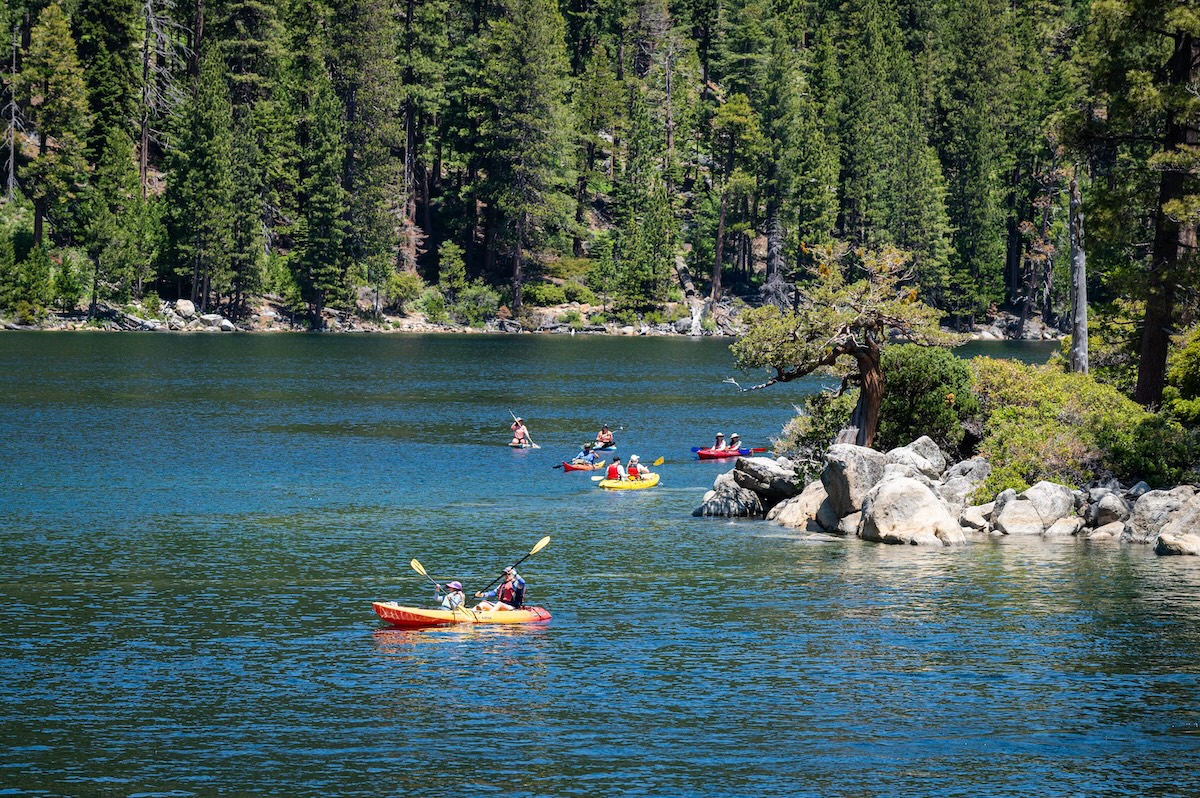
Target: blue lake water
{"type": "Point", "coordinates": [195, 528]}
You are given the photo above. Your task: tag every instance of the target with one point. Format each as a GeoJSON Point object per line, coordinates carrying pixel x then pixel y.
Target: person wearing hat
{"type": "Point", "coordinates": [615, 471]}
{"type": "Point", "coordinates": [586, 456]}
{"type": "Point", "coordinates": [509, 595]}
{"type": "Point", "coordinates": [454, 595]}
{"type": "Point", "coordinates": [520, 432]}
{"type": "Point", "coordinates": [604, 437]}
{"type": "Point", "coordinates": [735, 441]}
{"type": "Point", "coordinates": [720, 445]}
{"type": "Point", "coordinates": [636, 470]}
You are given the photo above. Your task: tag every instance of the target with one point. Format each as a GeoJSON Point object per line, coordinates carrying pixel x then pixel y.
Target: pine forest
{"type": "Point", "coordinates": [491, 156]}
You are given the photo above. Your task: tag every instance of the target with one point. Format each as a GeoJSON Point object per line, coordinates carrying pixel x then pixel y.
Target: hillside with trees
{"type": "Point", "coordinates": [459, 157]}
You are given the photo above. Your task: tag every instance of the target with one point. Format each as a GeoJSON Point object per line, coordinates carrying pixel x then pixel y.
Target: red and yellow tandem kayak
{"type": "Point", "coordinates": [397, 615]}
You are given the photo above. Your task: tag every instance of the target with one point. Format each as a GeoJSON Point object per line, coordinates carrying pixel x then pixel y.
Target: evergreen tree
{"type": "Point", "coordinates": [200, 187]}
{"type": "Point", "coordinates": [52, 83]}
{"type": "Point", "coordinates": [106, 32]}
{"type": "Point", "coordinates": [115, 213]}
{"type": "Point", "coordinates": [526, 129]}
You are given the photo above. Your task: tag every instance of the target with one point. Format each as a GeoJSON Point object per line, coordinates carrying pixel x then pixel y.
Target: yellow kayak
{"type": "Point", "coordinates": [630, 484]}
{"type": "Point", "coordinates": [397, 615]}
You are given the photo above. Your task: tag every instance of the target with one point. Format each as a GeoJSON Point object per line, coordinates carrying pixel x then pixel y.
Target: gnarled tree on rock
{"type": "Point", "coordinates": [854, 303]}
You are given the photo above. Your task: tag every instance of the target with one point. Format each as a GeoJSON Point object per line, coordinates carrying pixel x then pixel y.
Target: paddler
{"type": "Point", "coordinates": [509, 595]}
{"type": "Point", "coordinates": [720, 445]}
{"type": "Point", "coordinates": [604, 437]}
{"type": "Point", "coordinates": [520, 432]}
{"type": "Point", "coordinates": [636, 470]}
{"type": "Point", "coordinates": [616, 471]}
{"type": "Point", "coordinates": [455, 597]}
{"type": "Point", "coordinates": [586, 456]}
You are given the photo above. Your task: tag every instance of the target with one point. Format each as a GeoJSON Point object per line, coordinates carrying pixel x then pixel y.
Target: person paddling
{"type": "Point", "coordinates": [616, 471]}
{"type": "Point", "coordinates": [636, 470]}
{"type": "Point", "coordinates": [586, 456]}
{"type": "Point", "coordinates": [455, 597]}
{"type": "Point", "coordinates": [520, 432]}
{"type": "Point", "coordinates": [510, 595]}
{"type": "Point", "coordinates": [604, 437]}
{"type": "Point", "coordinates": [720, 444]}
{"type": "Point", "coordinates": [735, 441]}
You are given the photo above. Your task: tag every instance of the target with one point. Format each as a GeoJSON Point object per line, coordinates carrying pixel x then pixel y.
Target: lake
{"type": "Point", "coordinates": [196, 526]}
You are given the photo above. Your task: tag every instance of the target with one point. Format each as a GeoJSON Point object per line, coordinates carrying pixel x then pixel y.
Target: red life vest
{"type": "Point", "coordinates": [633, 472]}
{"type": "Point", "coordinates": [614, 471]}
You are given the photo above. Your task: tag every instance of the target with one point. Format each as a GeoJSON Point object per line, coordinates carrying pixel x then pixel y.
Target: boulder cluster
{"type": "Point", "coordinates": [913, 495]}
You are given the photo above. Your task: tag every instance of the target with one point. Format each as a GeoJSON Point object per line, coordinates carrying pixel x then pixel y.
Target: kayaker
{"type": "Point", "coordinates": [720, 445]}
{"type": "Point", "coordinates": [509, 595]}
{"type": "Point", "coordinates": [520, 432]}
{"type": "Point", "coordinates": [586, 456]}
{"type": "Point", "coordinates": [604, 437]}
{"type": "Point", "coordinates": [455, 597]}
{"type": "Point", "coordinates": [735, 441]}
{"type": "Point", "coordinates": [616, 471]}
{"type": "Point", "coordinates": [636, 470]}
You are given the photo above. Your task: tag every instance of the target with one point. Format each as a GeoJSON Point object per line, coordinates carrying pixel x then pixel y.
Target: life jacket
{"type": "Point", "coordinates": [633, 472]}
{"type": "Point", "coordinates": [511, 594]}
{"type": "Point", "coordinates": [614, 471]}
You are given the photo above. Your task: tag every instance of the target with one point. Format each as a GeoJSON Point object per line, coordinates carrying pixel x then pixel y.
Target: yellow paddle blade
{"type": "Point", "coordinates": [541, 544]}
{"type": "Point", "coordinates": [416, 566]}
{"type": "Point", "coordinates": [659, 461]}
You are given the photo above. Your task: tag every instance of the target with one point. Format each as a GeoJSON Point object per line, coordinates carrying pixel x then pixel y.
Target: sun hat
{"type": "Point", "coordinates": [734, 435]}
{"type": "Point", "coordinates": [633, 459]}
{"type": "Point", "coordinates": [455, 585]}
{"type": "Point", "coordinates": [720, 434]}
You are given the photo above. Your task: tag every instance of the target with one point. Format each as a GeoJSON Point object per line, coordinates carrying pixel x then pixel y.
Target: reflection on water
{"type": "Point", "coordinates": [197, 527]}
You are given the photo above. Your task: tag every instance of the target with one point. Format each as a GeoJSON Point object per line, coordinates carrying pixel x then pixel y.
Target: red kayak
{"type": "Point", "coordinates": [581, 466]}
{"type": "Point", "coordinates": [717, 454]}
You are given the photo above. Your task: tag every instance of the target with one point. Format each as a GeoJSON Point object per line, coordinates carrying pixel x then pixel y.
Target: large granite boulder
{"type": "Point", "coordinates": [850, 471]}
{"type": "Point", "coordinates": [903, 510]}
{"type": "Point", "coordinates": [772, 482]}
{"type": "Point", "coordinates": [961, 480]}
{"type": "Point", "coordinates": [185, 308]}
{"type": "Point", "coordinates": [1181, 534]}
{"type": "Point", "coordinates": [1109, 509]}
{"type": "Point", "coordinates": [1152, 510]}
{"type": "Point", "coordinates": [1065, 527]}
{"type": "Point", "coordinates": [728, 500]}
{"type": "Point", "coordinates": [1017, 517]}
{"type": "Point", "coordinates": [923, 455]}
{"type": "Point", "coordinates": [800, 512]}
{"type": "Point", "coordinates": [1053, 501]}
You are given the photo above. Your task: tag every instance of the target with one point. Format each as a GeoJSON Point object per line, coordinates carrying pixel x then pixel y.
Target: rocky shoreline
{"type": "Point", "coordinates": [272, 316]}
{"type": "Point", "coordinates": [911, 495]}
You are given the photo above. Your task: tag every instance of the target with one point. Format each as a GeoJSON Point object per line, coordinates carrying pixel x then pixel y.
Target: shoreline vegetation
{"type": "Point", "coordinates": [270, 315]}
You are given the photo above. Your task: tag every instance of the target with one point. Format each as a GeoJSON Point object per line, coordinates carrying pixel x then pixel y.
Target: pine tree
{"type": "Point", "coordinates": [52, 83]}
{"type": "Point", "coordinates": [114, 215]}
{"type": "Point", "coordinates": [107, 36]}
{"type": "Point", "coordinates": [200, 186]}
{"type": "Point", "coordinates": [526, 130]}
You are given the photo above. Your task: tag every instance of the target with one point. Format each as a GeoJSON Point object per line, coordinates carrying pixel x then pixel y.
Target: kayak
{"type": "Point", "coordinates": [630, 484]}
{"type": "Point", "coordinates": [524, 446]}
{"type": "Point", "coordinates": [717, 454]}
{"type": "Point", "coordinates": [582, 466]}
{"type": "Point", "coordinates": [612, 447]}
{"type": "Point", "coordinates": [397, 615]}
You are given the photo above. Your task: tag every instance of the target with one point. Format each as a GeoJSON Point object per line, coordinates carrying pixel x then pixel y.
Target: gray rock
{"type": "Point", "coordinates": [1137, 491]}
{"type": "Point", "coordinates": [903, 510]}
{"type": "Point", "coordinates": [1107, 532]}
{"type": "Point", "coordinates": [1111, 508]}
{"type": "Point", "coordinates": [1152, 511]}
{"type": "Point", "coordinates": [1000, 501]}
{"type": "Point", "coordinates": [827, 516]}
{"type": "Point", "coordinates": [1065, 527]}
{"type": "Point", "coordinates": [1181, 534]}
{"type": "Point", "coordinates": [730, 502]}
{"type": "Point", "coordinates": [977, 469]}
{"type": "Point", "coordinates": [1018, 517]}
{"type": "Point", "coordinates": [226, 325]}
{"type": "Point", "coordinates": [923, 455]}
{"type": "Point", "coordinates": [973, 518]}
{"type": "Point", "coordinates": [849, 525]}
{"type": "Point", "coordinates": [850, 471]}
{"type": "Point", "coordinates": [896, 470]}
{"type": "Point", "coordinates": [185, 308]}
{"type": "Point", "coordinates": [799, 512]}
{"type": "Point", "coordinates": [1052, 501]}
{"type": "Point", "coordinates": [765, 477]}
{"type": "Point", "coordinates": [212, 319]}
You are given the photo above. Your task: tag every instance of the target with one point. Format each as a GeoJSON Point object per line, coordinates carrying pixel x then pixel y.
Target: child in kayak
{"type": "Point", "coordinates": [509, 595]}
{"type": "Point", "coordinates": [454, 595]}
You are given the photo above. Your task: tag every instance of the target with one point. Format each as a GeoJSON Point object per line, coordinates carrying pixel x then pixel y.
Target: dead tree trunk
{"type": "Point", "coordinates": [1079, 309]}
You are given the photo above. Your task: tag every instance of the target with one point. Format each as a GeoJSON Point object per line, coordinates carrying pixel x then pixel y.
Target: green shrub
{"type": "Point", "coordinates": [543, 294]}
{"type": "Point", "coordinates": [476, 304]}
{"type": "Point", "coordinates": [928, 392]}
{"type": "Point", "coordinates": [626, 318]}
{"type": "Point", "coordinates": [806, 437]}
{"type": "Point", "coordinates": [433, 305]}
{"type": "Point", "coordinates": [576, 292]}
{"type": "Point", "coordinates": [598, 318]}
{"type": "Point", "coordinates": [571, 317]}
{"type": "Point", "coordinates": [568, 268]}
{"type": "Point", "coordinates": [1042, 423]}
{"type": "Point", "coordinates": [404, 289]}
{"type": "Point", "coordinates": [653, 317]}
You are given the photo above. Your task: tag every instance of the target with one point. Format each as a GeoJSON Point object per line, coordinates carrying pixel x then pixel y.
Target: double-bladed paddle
{"type": "Point", "coordinates": [541, 544]}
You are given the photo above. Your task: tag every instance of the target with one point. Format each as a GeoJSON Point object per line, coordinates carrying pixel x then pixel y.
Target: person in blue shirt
{"type": "Point", "coordinates": [587, 456]}
{"type": "Point", "coordinates": [510, 595]}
